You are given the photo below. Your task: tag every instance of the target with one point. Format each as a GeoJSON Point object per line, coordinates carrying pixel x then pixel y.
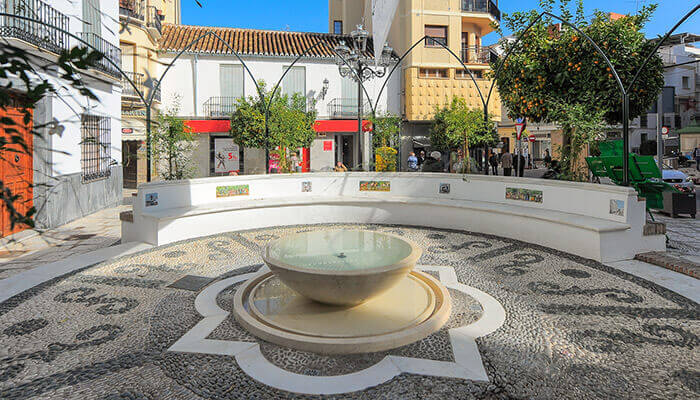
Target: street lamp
{"type": "Point", "coordinates": [353, 63]}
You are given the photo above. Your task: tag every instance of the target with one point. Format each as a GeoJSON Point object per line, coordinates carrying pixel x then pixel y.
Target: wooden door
{"type": "Point", "coordinates": [16, 170]}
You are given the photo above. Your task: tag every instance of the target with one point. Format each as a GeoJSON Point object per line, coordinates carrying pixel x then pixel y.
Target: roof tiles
{"type": "Point", "coordinates": [252, 41]}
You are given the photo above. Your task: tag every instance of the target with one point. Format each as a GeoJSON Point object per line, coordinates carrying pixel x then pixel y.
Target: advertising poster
{"type": "Point", "coordinates": [375, 186]}
{"type": "Point", "coordinates": [226, 156]}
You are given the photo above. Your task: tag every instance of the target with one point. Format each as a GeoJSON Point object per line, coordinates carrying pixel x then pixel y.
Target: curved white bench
{"type": "Point", "coordinates": [572, 217]}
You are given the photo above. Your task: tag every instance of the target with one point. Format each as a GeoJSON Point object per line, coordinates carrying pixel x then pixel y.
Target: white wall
{"type": "Point", "coordinates": [68, 104]}
{"type": "Point", "coordinates": [179, 81]}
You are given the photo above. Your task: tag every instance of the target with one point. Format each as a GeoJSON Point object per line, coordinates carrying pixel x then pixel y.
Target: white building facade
{"type": "Point", "coordinates": [77, 154]}
{"type": "Point", "coordinates": [681, 94]}
{"type": "Point", "coordinates": [207, 80]}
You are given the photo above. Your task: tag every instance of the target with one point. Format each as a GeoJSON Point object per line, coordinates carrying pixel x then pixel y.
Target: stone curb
{"type": "Point", "coordinates": [669, 262]}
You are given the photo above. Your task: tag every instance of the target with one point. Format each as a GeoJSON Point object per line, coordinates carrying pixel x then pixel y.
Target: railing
{"type": "Point", "coordinates": [133, 8]}
{"type": "Point", "coordinates": [220, 106]}
{"type": "Point", "coordinates": [486, 6]}
{"type": "Point", "coordinates": [154, 19]}
{"type": "Point", "coordinates": [476, 55]}
{"type": "Point", "coordinates": [345, 108]}
{"type": "Point", "coordinates": [140, 82]}
{"type": "Point", "coordinates": [108, 50]}
{"type": "Point", "coordinates": [36, 33]}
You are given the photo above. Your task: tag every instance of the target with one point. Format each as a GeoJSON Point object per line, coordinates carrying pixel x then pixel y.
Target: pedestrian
{"type": "Point", "coordinates": [412, 162]}
{"type": "Point", "coordinates": [340, 167]}
{"type": "Point", "coordinates": [294, 161]}
{"type": "Point", "coordinates": [696, 155]}
{"type": "Point", "coordinates": [526, 156]}
{"type": "Point", "coordinates": [433, 163]}
{"type": "Point", "coordinates": [547, 158]}
{"type": "Point", "coordinates": [507, 162]}
{"type": "Point", "coordinates": [493, 161]}
{"type": "Point", "coordinates": [421, 159]}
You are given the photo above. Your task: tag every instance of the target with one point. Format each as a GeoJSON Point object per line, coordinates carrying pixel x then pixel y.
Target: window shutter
{"type": "Point", "coordinates": [231, 80]}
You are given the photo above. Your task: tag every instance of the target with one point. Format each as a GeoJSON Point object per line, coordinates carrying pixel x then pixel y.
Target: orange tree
{"type": "Point", "coordinates": [552, 69]}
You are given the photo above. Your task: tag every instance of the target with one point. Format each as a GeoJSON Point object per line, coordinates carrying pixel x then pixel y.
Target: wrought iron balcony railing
{"type": "Point", "coordinates": [133, 9]}
{"type": "Point", "coordinates": [220, 106]}
{"type": "Point", "coordinates": [486, 6]}
{"type": "Point", "coordinates": [339, 108]}
{"type": "Point", "coordinates": [154, 20]}
{"type": "Point", "coordinates": [141, 84]}
{"type": "Point", "coordinates": [476, 55]}
{"type": "Point", "coordinates": [108, 50]}
{"type": "Point", "coordinates": [40, 34]}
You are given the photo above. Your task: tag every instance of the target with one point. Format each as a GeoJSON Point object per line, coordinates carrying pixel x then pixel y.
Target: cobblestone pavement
{"type": "Point", "coordinates": [96, 231]}
{"type": "Point", "coordinates": [574, 329]}
{"type": "Point", "coordinates": [684, 236]}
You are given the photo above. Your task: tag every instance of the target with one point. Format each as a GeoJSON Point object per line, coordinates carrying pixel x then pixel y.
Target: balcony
{"type": "Point", "coordinates": [220, 106]}
{"type": "Point", "coordinates": [485, 6]}
{"type": "Point", "coordinates": [128, 92]}
{"type": "Point", "coordinates": [108, 50]}
{"type": "Point", "coordinates": [345, 108]}
{"type": "Point", "coordinates": [476, 55]}
{"type": "Point", "coordinates": [154, 19]}
{"type": "Point", "coordinates": [37, 33]}
{"type": "Point", "coordinates": [133, 9]}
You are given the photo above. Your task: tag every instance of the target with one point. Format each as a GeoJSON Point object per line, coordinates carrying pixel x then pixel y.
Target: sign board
{"type": "Point", "coordinates": [532, 138]}
{"type": "Point", "coordinates": [519, 127]}
{"type": "Point", "coordinates": [226, 156]}
{"type": "Point", "coordinates": [327, 145]}
{"type": "Point", "coordinates": [127, 130]}
{"type": "Point", "coordinates": [664, 130]}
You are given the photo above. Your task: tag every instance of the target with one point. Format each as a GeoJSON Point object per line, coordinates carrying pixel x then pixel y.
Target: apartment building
{"type": "Point", "coordinates": [208, 79]}
{"type": "Point", "coordinates": [141, 25]}
{"type": "Point", "coordinates": [430, 75]}
{"type": "Point", "coordinates": [680, 99]}
{"type": "Point", "coordinates": [73, 169]}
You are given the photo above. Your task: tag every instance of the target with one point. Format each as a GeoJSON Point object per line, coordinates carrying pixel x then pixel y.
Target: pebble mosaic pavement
{"type": "Point", "coordinates": [574, 329]}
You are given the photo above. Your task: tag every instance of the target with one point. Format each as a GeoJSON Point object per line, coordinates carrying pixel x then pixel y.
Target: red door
{"type": "Point", "coordinates": [16, 170]}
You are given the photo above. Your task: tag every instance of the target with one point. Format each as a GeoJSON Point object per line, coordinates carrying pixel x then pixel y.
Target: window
{"type": "Point", "coordinates": [438, 34]}
{"type": "Point", "coordinates": [231, 81]}
{"type": "Point", "coordinates": [92, 22]}
{"type": "Point", "coordinates": [643, 121]}
{"type": "Point", "coordinates": [433, 73]}
{"type": "Point", "coordinates": [462, 74]}
{"type": "Point", "coordinates": [294, 81]}
{"type": "Point", "coordinates": [128, 57]}
{"type": "Point", "coordinates": [686, 82]}
{"type": "Point", "coordinates": [338, 27]}
{"type": "Point", "coordinates": [95, 147]}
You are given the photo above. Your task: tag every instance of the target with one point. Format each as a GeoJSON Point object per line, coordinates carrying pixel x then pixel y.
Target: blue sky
{"type": "Point", "coordinates": [312, 15]}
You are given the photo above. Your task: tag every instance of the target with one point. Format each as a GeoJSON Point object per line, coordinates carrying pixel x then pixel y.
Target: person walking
{"type": "Point", "coordinates": [433, 163]}
{"type": "Point", "coordinates": [493, 161]}
{"type": "Point", "coordinates": [507, 162]}
{"type": "Point", "coordinates": [547, 158]}
{"type": "Point", "coordinates": [696, 155]}
{"type": "Point", "coordinates": [294, 166]}
{"type": "Point", "coordinates": [412, 162]}
{"type": "Point", "coordinates": [421, 159]}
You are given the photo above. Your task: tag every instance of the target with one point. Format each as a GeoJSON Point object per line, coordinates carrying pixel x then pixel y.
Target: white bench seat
{"type": "Point", "coordinates": [578, 221]}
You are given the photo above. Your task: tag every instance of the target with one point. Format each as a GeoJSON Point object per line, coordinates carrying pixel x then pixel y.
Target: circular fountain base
{"type": "Point", "coordinates": [413, 309]}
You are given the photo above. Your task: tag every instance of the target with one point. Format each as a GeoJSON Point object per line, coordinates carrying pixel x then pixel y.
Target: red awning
{"type": "Point", "coordinates": [209, 125]}
{"type": "Point", "coordinates": [325, 126]}
{"type": "Point", "coordinates": [341, 125]}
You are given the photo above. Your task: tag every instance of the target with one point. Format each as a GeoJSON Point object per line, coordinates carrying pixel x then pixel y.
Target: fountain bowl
{"type": "Point", "coordinates": [341, 267]}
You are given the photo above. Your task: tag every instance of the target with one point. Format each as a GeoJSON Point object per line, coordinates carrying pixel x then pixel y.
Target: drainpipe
{"type": "Point", "coordinates": [195, 91]}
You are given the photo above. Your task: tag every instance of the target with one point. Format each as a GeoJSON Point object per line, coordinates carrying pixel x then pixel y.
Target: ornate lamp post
{"type": "Point", "coordinates": [361, 72]}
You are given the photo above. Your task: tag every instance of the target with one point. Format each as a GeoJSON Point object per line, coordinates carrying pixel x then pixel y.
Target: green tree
{"type": "Point", "coordinates": [551, 67]}
{"type": "Point", "coordinates": [456, 126]}
{"type": "Point", "coordinates": [291, 123]}
{"type": "Point", "coordinates": [173, 144]}
{"type": "Point", "coordinates": [385, 140]}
